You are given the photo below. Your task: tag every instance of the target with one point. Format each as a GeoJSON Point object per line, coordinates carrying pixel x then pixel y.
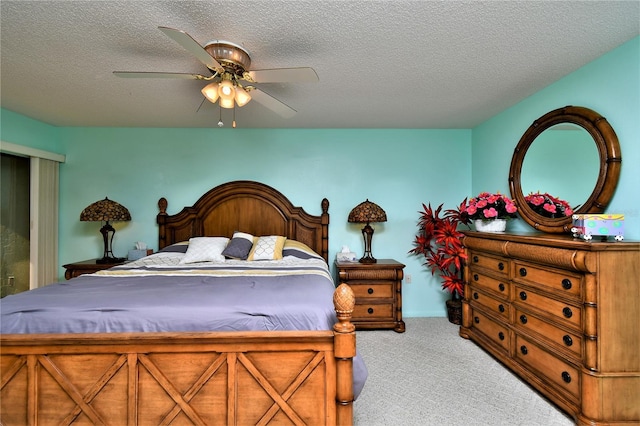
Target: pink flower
{"type": "Point", "coordinates": [490, 213]}
{"type": "Point", "coordinates": [511, 208]}
{"type": "Point", "coordinates": [551, 208]}
{"type": "Point", "coordinates": [481, 203]}
{"type": "Point", "coordinates": [471, 209]}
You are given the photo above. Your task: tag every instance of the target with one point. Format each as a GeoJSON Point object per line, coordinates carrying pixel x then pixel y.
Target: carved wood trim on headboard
{"type": "Point", "coordinates": [245, 206]}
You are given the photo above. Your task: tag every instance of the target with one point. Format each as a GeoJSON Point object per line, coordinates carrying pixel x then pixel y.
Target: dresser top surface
{"type": "Point", "coordinates": [556, 240]}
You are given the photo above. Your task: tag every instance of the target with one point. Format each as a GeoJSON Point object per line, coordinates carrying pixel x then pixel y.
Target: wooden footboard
{"type": "Point", "coordinates": [231, 378]}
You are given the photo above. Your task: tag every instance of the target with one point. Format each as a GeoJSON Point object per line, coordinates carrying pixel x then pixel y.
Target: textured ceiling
{"type": "Point", "coordinates": [381, 64]}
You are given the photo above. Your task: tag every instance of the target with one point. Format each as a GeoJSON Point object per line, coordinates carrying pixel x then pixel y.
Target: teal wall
{"type": "Point", "coordinates": [609, 85]}
{"type": "Point", "coordinates": [398, 169]}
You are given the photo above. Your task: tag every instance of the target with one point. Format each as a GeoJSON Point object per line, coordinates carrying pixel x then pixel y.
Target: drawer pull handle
{"type": "Point", "coordinates": [501, 307]}
{"type": "Point", "coordinates": [523, 272]}
{"type": "Point", "coordinates": [501, 287]}
{"type": "Point", "coordinates": [370, 310]}
{"type": "Point", "coordinates": [501, 266]}
{"type": "Point", "coordinates": [475, 259]}
{"type": "Point", "coordinates": [475, 277]}
{"type": "Point", "coordinates": [523, 295]}
{"type": "Point", "coordinates": [566, 284]}
{"type": "Point", "coordinates": [567, 340]}
{"type": "Point", "coordinates": [501, 335]}
{"type": "Point", "coordinates": [523, 319]}
{"type": "Point", "coordinates": [524, 350]}
{"type": "Point", "coordinates": [475, 295]}
{"type": "Point", "coordinates": [567, 312]}
{"type": "Point", "coordinates": [566, 377]}
{"type": "Point", "coordinates": [370, 291]}
{"type": "Point", "coordinates": [476, 320]}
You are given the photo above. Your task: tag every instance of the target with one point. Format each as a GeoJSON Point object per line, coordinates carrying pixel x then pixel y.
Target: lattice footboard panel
{"type": "Point", "coordinates": [284, 379]}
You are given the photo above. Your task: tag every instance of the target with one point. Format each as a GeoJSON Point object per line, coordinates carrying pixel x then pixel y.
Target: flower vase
{"type": "Point", "coordinates": [494, 225]}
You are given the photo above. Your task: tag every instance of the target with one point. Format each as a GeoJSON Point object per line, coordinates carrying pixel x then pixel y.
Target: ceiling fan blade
{"type": "Point", "coordinates": [145, 74]}
{"type": "Point", "coordinates": [186, 41]}
{"type": "Point", "coordinates": [285, 75]}
{"type": "Point", "coordinates": [272, 103]}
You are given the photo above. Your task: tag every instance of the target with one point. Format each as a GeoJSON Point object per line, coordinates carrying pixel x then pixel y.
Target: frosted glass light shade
{"type": "Point", "coordinates": [226, 102]}
{"type": "Point", "coordinates": [242, 96]}
{"type": "Point", "coordinates": [210, 91]}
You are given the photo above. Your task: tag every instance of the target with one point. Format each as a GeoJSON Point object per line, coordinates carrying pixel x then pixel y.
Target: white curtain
{"type": "Point", "coordinates": [44, 222]}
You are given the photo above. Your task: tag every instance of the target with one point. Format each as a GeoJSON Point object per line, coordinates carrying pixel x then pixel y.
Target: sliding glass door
{"type": "Point", "coordinates": [14, 224]}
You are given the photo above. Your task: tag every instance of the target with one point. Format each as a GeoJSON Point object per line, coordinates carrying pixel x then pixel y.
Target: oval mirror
{"type": "Point", "coordinates": [571, 153]}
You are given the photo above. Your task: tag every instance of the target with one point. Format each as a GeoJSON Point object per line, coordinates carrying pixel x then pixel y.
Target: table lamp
{"type": "Point", "coordinates": [104, 211]}
{"type": "Point", "coordinates": [367, 212]}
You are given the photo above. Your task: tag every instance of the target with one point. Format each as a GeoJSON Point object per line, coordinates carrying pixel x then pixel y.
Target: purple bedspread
{"type": "Point", "coordinates": [162, 302]}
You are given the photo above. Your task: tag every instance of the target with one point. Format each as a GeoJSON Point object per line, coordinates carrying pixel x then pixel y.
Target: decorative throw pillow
{"type": "Point", "coordinates": [239, 246]}
{"type": "Point", "coordinates": [298, 249]}
{"type": "Point", "coordinates": [205, 249]}
{"type": "Point", "coordinates": [180, 247]}
{"type": "Point", "coordinates": [267, 248]}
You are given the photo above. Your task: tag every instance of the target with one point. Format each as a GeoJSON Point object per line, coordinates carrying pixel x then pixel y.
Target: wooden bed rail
{"type": "Point", "coordinates": [233, 378]}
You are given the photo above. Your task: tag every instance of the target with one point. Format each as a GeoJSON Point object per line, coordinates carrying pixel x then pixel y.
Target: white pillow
{"type": "Point", "coordinates": [205, 249]}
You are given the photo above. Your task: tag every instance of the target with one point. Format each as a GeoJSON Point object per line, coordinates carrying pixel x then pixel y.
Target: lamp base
{"type": "Point", "coordinates": [110, 260]}
{"type": "Point", "coordinates": [366, 259]}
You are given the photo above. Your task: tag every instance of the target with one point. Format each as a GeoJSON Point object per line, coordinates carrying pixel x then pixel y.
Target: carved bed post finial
{"type": "Point", "coordinates": [344, 301]}
{"type": "Point", "coordinates": [161, 220]}
{"type": "Point", "coordinates": [162, 205]}
{"type": "Point", "coordinates": [325, 205]}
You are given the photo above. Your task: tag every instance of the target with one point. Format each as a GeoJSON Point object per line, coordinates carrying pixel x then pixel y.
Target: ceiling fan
{"type": "Point", "coordinates": [232, 80]}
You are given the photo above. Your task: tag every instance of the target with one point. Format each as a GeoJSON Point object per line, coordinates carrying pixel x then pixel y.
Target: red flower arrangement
{"type": "Point", "coordinates": [548, 206]}
{"type": "Point", "coordinates": [487, 206]}
{"type": "Point", "coordinates": [439, 241]}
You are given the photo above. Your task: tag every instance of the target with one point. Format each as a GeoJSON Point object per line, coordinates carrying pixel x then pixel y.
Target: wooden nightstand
{"type": "Point", "coordinates": [85, 267]}
{"type": "Point", "coordinates": [378, 291]}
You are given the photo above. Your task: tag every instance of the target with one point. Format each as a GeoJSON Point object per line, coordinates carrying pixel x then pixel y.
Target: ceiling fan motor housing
{"type": "Point", "coordinates": [231, 56]}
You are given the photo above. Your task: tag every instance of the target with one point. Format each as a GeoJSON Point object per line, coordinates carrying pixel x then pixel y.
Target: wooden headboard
{"type": "Point", "coordinates": [245, 206]}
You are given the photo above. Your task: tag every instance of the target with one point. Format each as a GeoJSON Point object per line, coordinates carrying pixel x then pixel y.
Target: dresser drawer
{"type": "Point", "coordinates": [497, 265]}
{"type": "Point", "coordinates": [485, 282]}
{"type": "Point", "coordinates": [568, 341]}
{"type": "Point", "coordinates": [369, 289]}
{"type": "Point", "coordinates": [562, 374]}
{"type": "Point", "coordinates": [563, 282]}
{"type": "Point", "coordinates": [370, 311]}
{"type": "Point", "coordinates": [495, 331]}
{"type": "Point", "coordinates": [499, 307]}
{"type": "Point", "coordinates": [568, 314]}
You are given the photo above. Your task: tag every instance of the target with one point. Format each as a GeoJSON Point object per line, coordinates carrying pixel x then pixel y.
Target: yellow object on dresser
{"type": "Point", "coordinates": [563, 314]}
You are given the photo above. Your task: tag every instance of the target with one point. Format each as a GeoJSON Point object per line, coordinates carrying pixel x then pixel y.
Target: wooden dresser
{"type": "Point", "coordinates": [378, 291]}
{"type": "Point", "coordinates": [563, 314]}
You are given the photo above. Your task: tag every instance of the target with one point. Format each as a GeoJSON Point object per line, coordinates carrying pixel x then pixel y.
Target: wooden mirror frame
{"type": "Point", "coordinates": [610, 163]}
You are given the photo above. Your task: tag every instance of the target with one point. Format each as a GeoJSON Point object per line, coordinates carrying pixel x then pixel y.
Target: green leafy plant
{"type": "Point", "coordinates": [440, 242]}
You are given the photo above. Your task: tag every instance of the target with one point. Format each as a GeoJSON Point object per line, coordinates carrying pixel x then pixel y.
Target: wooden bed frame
{"type": "Point", "coordinates": [222, 378]}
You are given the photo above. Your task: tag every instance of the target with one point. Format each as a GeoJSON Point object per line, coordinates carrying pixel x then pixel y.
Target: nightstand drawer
{"type": "Point", "coordinates": [373, 312]}
{"type": "Point", "coordinates": [372, 289]}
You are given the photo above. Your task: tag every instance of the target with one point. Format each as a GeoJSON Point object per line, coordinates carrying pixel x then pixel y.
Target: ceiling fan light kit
{"type": "Point", "coordinates": [230, 63]}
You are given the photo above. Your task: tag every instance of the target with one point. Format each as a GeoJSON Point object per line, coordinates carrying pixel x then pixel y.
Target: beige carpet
{"type": "Point", "coordinates": [431, 376]}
